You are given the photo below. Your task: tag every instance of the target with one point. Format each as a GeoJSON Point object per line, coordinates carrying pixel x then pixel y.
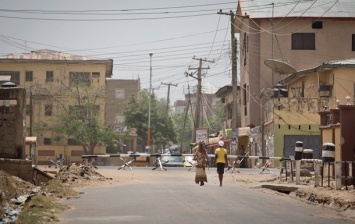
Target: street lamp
{"type": "Point", "coordinates": [150, 97]}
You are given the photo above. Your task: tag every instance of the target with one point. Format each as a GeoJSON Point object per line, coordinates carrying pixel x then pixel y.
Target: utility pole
{"type": "Point", "coordinates": [234, 124]}
{"type": "Point", "coordinates": [198, 95]}
{"type": "Point", "coordinates": [31, 112]}
{"type": "Point", "coordinates": [168, 97]}
{"type": "Point", "coordinates": [150, 99]}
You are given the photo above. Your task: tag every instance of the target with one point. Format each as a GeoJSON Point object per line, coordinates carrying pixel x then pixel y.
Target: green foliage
{"type": "Point", "coordinates": [40, 127]}
{"type": "Point", "coordinates": [80, 120]}
{"type": "Point", "coordinates": [183, 129]}
{"type": "Point", "coordinates": [137, 115]}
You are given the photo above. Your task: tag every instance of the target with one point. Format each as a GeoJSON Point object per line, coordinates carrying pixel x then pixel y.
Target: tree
{"type": "Point", "coordinates": [182, 126]}
{"type": "Point", "coordinates": [79, 114]}
{"type": "Point", "coordinates": [136, 116]}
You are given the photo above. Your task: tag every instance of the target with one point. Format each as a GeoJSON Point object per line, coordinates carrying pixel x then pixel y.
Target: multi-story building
{"type": "Point", "coordinates": [296, 116]}
{"type": "Point", "coordinates": [180, 106]}
{"type": "Point", "coordinates": [278, 39]}
{"type": "Point", "coordinates": [118, 93]}
{"type": "Point", "coordinates": [47, 75]}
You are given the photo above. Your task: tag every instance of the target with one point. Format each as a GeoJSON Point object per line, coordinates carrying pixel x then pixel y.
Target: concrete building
{"type": "Point", "coordinates": [12, 117]}
{"type": "Point", "coordinates": [47, 77]}
{"type": "Point", "coordinates": [295, 117]}
{"type": "Point", "coordinates": [118, 93]}
{"type": "Point", "coordinates": [299, 35]}
{"type": "Point", "coordinates": [180, 106]}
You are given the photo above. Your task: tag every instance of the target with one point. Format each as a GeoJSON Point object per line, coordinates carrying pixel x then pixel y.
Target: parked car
{"type": "Point", "coordinates": [173, 161]}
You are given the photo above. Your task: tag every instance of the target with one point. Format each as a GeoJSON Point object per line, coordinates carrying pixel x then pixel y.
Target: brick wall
{"type": "Point", "coordinates": [17, 167]}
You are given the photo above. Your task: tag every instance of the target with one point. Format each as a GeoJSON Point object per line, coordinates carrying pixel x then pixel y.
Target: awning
{"type": "Point", "coordinates": [31, 140]}
{"type": "Point", "coordinates": [243, 131]}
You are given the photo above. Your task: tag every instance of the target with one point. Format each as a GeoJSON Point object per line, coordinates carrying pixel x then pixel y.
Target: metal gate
{"type": "Point", "coordinates": [309, 142]}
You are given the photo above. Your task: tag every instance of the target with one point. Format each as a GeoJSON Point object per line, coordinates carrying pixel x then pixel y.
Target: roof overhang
{"type": "Point", "coordinates": [243, 131]}
{"type": "Point", "coordinates": [31, 140]}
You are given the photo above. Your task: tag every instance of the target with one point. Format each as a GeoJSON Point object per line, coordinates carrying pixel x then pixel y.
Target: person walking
{"type": "Point", "coordinates": [201, 158]}
{"type": "Point", "coordinates": [221, 161]}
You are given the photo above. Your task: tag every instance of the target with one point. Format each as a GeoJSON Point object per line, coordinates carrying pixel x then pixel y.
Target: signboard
{"type": "Point", "coordinates": [202, 135]}
{"type": "Point", "coordinates": [229, 133]}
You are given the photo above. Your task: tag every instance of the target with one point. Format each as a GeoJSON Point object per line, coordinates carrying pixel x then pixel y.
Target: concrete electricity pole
{"type": "Point", "coordinates": [150, 99]}
{"type": "Point", "coordinates": [234, 124]}
{"type": "Point", "coordinates": [168, 97]}
{"type": "Point", "coordinates": [198, 95]}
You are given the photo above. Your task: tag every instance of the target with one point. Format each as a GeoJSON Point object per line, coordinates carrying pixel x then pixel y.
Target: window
{"type": "Point", "coordinates": [245, 99]}
{"type": "Point", "coordinates": [73, 142]}
{"type": "Point", "coordinates": [325, 90]}
{"type": "Point", "coordinates": [47, 141]}
{"type": "Point", "coordinates": [353, 42]}
{"type": "Point", "coordinates": [119, 119]}
{"type": "Point", "coordinates": [13, 76]}
{"type": "Point", "coordinates": [96, 74]}
{"type": "Point", "coordinates": [48, 110]}
{"type": "Point", "coordinates": [29, 76]}
{"type": "Point", "coordinates": [303, 41]}
{"type": "Point", "coordinates": [245, 48]}
{"type": "Point", "coordinates": [49, 76]}
{"type": "Point", "coordinates": [28, 109]}
{"type": "Point", "coordinates": [317, 25]}
{"type": "Point", "coordinates": [81, 111]}
{"type": "Point", "coordinates": [120, 93]}
{"type": "Point", "coordinates": [76, 78]}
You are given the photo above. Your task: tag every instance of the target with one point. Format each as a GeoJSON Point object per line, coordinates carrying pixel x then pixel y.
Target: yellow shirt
{"type": "Point", "coordinates": [220, 152]}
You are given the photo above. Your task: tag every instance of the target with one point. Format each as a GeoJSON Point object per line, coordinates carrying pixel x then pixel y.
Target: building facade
{"type": "Point", "coordinates": [278, 39]}
{"type": "Point", "coordinates": [300, 35]}
{"type": "Point", "coordinates": [48, 77]}
{"type": "Point", "coordinates": [311, 92]}
{"type": "Point", "coordinates": [118, 93]}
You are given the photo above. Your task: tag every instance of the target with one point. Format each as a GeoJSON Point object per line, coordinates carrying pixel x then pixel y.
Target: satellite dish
{"type": "Point", "coordinates": [279, 66]}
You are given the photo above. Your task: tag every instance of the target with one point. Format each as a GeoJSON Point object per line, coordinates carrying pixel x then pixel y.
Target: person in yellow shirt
{"type": "Point", "coordinates": [221, 161]}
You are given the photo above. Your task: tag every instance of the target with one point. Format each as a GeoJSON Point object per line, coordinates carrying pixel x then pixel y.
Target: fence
{"type": "Point", "coordinates": [340, 172]}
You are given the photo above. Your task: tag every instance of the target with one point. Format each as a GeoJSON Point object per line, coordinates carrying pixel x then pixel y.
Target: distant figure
{"type": "Point", "coordinates": [201, 158]}
{"type": "Point", "coordinates": [221, 161]}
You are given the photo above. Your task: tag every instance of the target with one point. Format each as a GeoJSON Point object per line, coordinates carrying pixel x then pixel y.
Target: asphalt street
{"type": "Point", "coordinates": [173, 197]}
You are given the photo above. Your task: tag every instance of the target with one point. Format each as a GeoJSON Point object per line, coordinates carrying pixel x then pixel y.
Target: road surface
{"type": "Point", "coordinates": [153, 197]}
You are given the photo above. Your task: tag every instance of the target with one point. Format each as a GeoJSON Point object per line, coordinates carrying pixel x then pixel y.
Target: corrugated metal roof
{"type": "Point", "coordinates": [341, 63]}
{"type": "Point", "coordinates": [48, 55]}
{"type": "Point", "coordinates": [347, 63]}
{"type": "Point", "coordinates": [298, 8]}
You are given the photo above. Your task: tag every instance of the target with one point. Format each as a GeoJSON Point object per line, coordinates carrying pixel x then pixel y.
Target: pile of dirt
{"type": "Point", "coordinates": [79, 175]}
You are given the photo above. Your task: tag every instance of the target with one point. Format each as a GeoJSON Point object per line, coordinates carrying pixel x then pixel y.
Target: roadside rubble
{"type": "Point", "coordinates": [79, 175]}
{"type": "Point", "coordinates": [342, 200]}
{"type": "Point", "coordinates": [16, 193]}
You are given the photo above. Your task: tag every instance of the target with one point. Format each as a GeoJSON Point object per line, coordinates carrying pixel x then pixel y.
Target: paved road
{"type": "Point", "coordinates": [172, 197]}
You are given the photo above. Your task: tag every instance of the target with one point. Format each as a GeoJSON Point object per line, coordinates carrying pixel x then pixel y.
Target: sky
{"type": "Point", "coordinates": [175, 32]}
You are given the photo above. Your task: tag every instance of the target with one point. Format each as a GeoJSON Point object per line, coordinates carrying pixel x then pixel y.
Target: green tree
{"type": "Point", "coordinates": [79, 117]}
{"type": "Point", "coordinates": [183, 129]}
{"type": "Point", "coordinates": [161, 127]}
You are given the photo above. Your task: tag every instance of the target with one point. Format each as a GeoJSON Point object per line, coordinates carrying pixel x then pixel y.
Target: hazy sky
{"type": "Point", "coordinates": [127, 31]}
